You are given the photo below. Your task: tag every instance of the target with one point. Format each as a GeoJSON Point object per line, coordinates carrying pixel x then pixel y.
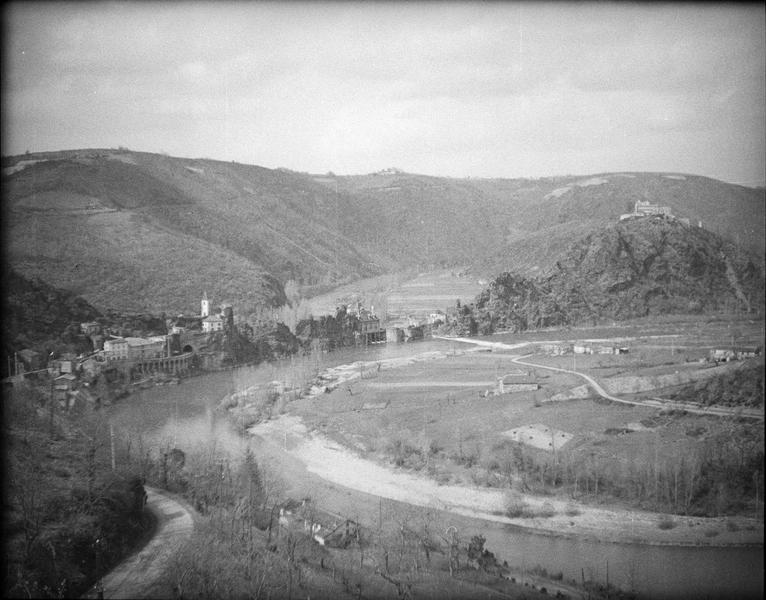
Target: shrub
{"type": "Point", "coordinates": [515, 507]}
{"type": "Point", "coordinates": [546, 511]}
{"type": "Point", "coordinates": [731, 525]}
{"type": "Point", "coordinates": [572, 511]}
{"type": "Point", "coordinates": [711, 532]}
{"type": "Point", "coordinates": [434, 448]}
{"type": "Point", "coordinates": [666, 523]}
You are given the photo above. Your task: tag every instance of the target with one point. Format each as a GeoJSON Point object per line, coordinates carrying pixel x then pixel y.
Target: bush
{"type": "Point", "coordinates": [546, 511]}
{"type": "Point", "coordinates": [515, 507]}
{"type": "Point", "coordinates": [434, 448]}
{"type": "Point", "coordinates": [666, 523]}
{"type": "Point", "coordinates": [572, 511]}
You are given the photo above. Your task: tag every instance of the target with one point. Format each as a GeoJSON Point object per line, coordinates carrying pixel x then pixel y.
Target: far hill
{"type": "Point", "coordinates": [147, 232]}
{"type": "Point", "coordinates": [525, 224]}
{"type": "Point", "coordinates": [649, 266]}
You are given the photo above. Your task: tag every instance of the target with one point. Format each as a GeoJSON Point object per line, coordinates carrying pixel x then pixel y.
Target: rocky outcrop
{"type": "Point", "coordinates": [644, 267]}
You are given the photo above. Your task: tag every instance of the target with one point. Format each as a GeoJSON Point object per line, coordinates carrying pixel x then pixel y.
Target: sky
{"type": "Point", "coordinates": [497, 89]}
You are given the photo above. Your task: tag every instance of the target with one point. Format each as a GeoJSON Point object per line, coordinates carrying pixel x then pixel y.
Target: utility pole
{"type": "Point", "coordinates": [111, 444]}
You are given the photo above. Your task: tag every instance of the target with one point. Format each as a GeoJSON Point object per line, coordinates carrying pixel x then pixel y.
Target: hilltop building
{"type": "Point", "coordinates": [644, 208]}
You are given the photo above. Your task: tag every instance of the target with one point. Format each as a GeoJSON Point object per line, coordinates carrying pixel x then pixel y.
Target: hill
{"type": "Point", "coordinates": [648, 266]}
{"type": "Point", "coordinates": [36, 314]}
{"type": "Point", "coordinates": [147, 232]}
{"type": "Point", "coordinates": [523, 225]}
{"type": "Point", "coordinates": [137, 231]}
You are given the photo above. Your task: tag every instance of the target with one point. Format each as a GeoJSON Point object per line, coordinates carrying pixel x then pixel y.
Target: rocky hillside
{"type": "Point", "coordinates": [37, 315]}
{"type": "Point", "coordinates": [647, 266]}
{"type": "Point", "coordinates": [146, 232]}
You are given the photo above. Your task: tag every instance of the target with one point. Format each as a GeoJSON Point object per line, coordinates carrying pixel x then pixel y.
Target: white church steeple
{"type": "Point", "coordinates": [204, 306]}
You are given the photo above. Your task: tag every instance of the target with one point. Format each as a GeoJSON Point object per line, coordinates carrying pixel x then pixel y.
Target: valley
{"type": "Point", "coordinates": [580, 383]}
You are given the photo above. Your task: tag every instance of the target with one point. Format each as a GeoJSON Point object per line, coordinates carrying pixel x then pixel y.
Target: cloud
{"type": "Point", "coordinates": [341, 86]}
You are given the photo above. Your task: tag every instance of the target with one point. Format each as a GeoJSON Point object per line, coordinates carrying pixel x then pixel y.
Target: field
{"type": "Point", "coordinates": [399, 295]}
{"type": "Point", "coordinates": [446, 419]}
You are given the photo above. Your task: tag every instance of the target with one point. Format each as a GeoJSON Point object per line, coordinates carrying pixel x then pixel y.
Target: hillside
{"type": "Point", "coordinates": [523, 225]}
{"type": "Point", "coordinates": [147, 232]}
{"type": "Point", "coordinates": [649, 266]}
{"type": "Point", "coordinates": [35, 313]}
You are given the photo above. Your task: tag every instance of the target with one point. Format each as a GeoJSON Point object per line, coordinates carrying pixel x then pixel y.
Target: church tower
{"type": "Point", "coordinates": [205, 306]}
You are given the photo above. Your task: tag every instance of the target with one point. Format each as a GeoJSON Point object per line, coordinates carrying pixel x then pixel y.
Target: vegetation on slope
{"type": "Point", "coordinates": [137, 225]}
{"type": "Point", "coordinates": [743, 387]}
{"type": "Point", "coordinates": [67, 516]}
{"type": "Point", "coordinates": [37, 315]}
{"type": "Point", "coordinates": [637, 268]}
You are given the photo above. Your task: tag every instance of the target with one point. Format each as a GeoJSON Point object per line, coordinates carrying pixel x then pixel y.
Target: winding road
{"type": "Point", "coordinates": [143, 575]}
{"type": "Point", "coordinates": [721, 411]}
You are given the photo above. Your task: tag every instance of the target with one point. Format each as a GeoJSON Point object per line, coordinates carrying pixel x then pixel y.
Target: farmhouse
{"type": "Point", "coordinates": [728, 354]}
{"type": "Point", "coordinates": [90, 328]}
{"type": "Point", "coordinates": [556, 349]}
{"type": "Point", "coordinates": [62, 385]}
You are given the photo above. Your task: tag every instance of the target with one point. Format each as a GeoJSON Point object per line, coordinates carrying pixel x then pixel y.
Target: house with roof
{"type": "Point", "coordinates": [62, 385]}
{"type": "Point", "coordinates": [116, 348]}
{"type": "Point", "coordinates": [212, 323]}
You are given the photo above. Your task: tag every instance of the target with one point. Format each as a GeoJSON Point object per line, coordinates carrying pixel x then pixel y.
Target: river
{"type": "Point", "coordinates": [184, 416]}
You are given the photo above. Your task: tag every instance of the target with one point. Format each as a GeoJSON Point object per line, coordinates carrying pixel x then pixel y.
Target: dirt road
{"type": "Point", "coordinates": [141, 575]}
{"type": "Point", "coordinates": [658, 403]}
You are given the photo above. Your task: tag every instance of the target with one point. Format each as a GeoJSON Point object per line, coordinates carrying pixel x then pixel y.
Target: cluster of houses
{"type": "Point", "coordinates": [729, 354]}
{"type": "Point", "coordinates": [169, 353]}
{"type": "Point", "coordinates": [372, 330]}
{"type": "Point", "coordinates": [561, 348]}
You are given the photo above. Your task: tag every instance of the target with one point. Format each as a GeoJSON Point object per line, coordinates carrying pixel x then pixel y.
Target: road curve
{"type": "Point", "coordinates": [658, 403]}
{"type": "Point", "coordinates": [141, 575]}
{"type": "Point", "coordinates": [718, 411]}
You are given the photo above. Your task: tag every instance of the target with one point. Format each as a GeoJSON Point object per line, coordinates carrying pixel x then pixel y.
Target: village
{"type": "Point", "coordinates": [121, 363]}
{"type": "Point", "coordinates": [130, 360]}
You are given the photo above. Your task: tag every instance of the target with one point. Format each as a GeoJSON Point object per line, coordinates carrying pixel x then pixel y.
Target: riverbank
{"type": "Point", "coordinates": [336, 457]}
{"type": "Point", "coordinates": [336, 463]}
{"type": "Point", "coordinates": [187, 416]}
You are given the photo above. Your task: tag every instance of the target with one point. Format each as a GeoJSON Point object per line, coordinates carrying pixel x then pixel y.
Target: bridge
{"type": "Point", "coordinates": [177, 364]}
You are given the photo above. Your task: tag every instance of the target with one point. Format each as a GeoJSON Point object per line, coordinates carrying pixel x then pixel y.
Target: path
{"type": "Point", "coordinates": [142, 574]}
{"type": "Point", "coordinates": [720, 411]}
{"type": "Point", "coordinates": [654, 403]}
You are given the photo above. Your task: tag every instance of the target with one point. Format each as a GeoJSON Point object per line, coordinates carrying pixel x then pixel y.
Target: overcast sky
{"type": "Point", "coordinates": [457, 89]}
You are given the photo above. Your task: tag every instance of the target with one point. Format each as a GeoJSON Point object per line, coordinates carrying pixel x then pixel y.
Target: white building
{"type": "Point", "coordinates": [143, 348]}
{"type": "Point", "coordinates": [116, 349]}
{"type": "Point", "coordinates": [212, 323]}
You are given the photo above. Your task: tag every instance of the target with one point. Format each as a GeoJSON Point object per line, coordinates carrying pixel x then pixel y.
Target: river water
{"type": "Point", "coordinates": [184, 416]}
